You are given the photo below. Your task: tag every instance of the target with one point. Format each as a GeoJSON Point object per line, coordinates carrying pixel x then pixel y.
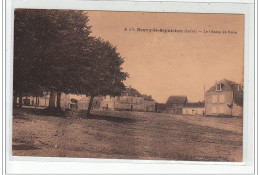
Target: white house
{"type": "Point", "coordinates": [194, 109]}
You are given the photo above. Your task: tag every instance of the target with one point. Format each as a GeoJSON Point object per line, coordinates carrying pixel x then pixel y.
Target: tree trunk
{"type": "Point", "coordinates": [15, 100]}
{"type": "Point", "coordinates": [58, 100]}
{"type": "Point", "coordinates": [36, 103]}
{"type": "Point", "coordinates": [52, 99]}
{"type": "Point", "coordinates": [20, 100]}
{"type": "Point", "coordinates": [90, 105]}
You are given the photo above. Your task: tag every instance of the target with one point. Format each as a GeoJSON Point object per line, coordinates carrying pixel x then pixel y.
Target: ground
{"type": "Point", "coordinates": [127, 135]}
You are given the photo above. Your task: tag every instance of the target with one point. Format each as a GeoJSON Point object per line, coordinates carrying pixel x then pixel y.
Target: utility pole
{"type": "Point", "coordinates": [204, 102]}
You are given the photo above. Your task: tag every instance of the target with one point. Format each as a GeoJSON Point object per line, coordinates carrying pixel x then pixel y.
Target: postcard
{"type": "Point", "coordinates": [128, 85]}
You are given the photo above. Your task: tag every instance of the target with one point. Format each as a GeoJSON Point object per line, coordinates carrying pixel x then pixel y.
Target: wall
{"type": "Point", "coordinates": [108, 103]}
{"type": "Point", "coordinates": [43, 101]}
{"type": "Point", "coordinates": [149, 106]}
{"type": "Point", "coordinates": [127, 103]}
{"type": "Point", "coordinates": [64, 101]}
{"type": "Point", "coordinates": [83, 104]}
{"type": "Point", "coordinates": [218, 108]}
{"type": "Point", "coordinates": [193, 111]}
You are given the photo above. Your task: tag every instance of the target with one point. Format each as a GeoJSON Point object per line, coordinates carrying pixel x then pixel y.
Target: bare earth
{"type": "Point", "coordinates": [128, 135]}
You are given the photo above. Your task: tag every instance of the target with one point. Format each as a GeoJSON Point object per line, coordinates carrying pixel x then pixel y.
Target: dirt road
{"type": "Point", "coordinates": [128, 135]}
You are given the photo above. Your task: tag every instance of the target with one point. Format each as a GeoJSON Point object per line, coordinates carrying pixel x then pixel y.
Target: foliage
{"type": "Point", "coordinates": [102, 75]}
{"type": "Point", "coordinates": [53, 52]}
{"type": "Point", "coordinates": [46, 43]}
{"type": "Point", "coordinates": [104, 71]}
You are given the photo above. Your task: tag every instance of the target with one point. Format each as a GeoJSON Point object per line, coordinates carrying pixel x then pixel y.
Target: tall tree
{"type": "Point", "coordinates": [47, 43]}
{"type": "Point", "coordinates": [102, 72]}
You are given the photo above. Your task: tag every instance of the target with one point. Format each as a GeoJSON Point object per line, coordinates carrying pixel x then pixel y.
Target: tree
{"type": "Point", "coordinates": [53, 52]}
{"type": "Point", "coordinates": [47, 43]}
{"type": "Point", "coordinates": [101, 74]}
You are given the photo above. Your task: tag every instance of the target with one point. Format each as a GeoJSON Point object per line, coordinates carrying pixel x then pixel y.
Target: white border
{"type": "Point", "coordinates": [27, 165]}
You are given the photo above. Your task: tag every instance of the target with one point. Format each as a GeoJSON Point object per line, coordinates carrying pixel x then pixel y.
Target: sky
{"type": "Point", "coordinates": [174, 63]}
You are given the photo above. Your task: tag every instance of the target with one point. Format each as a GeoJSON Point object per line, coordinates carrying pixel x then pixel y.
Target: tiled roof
{"type": "Point", "coordinates": [177, 100]}
{"type": "Point", "coordinates": [228, 85]}
{"type": "Point", "coordinates": [131, 92]}
{"type": "Point", "coordinates": [194, 105]}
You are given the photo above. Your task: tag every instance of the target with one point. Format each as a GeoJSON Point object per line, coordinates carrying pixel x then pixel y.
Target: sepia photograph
{"type": "Point", "coordinates": [128, 85]}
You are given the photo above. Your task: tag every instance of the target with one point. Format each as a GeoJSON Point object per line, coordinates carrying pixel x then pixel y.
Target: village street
{"type": "Point", "coordinates": [127, 135]}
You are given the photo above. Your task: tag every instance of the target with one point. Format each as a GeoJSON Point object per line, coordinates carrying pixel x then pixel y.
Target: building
{"type": "Point", "coordinates": [160, 107]}
{"type": "Point", "coordinates": [83, 103]}
{"type": "Point", "coordinates": [44, 100]}
{"type": "Point", "coordinates": [224, 98]}
{"type": "Point", "coordinates": [194, 108]}
{"type": "Point", "coordinates": [175, 104]}
{"type": "Point", "coordinates": [130, 100]}
{"type": "Point", "coordinates": [32, 101]}
{"type": "Point", "coordinates": [149, 103]}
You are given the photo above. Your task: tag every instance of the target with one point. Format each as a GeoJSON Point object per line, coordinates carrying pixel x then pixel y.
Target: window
{"type": "Point", "coordinates": [214, 98]}
{"type": "Point", "coordinates": [221, 98]}
{"type": "Point", "coordinates": [219, 87]}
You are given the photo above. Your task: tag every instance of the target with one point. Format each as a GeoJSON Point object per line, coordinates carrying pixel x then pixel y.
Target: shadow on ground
{"type": "Point", "coordinates": [112, 119]}
{"type": "Point", "coordinates": [45, 112]}
{"type": "Point", "coordinates": [223, 116]}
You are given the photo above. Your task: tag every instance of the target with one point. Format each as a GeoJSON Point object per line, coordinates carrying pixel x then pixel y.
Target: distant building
{"type": "Point", "coordinates": [130, 100]}
{"type": "Point", "coordinates": [42, 101]}
{"type": "Point", "coordinates": [149, 103]}
{"type": "Point", "coordinates": [32, 101]}
{"type": "Point", "coordinates": [83, 103]}
{"type": "Point", "coordinates": [160, 107]}
{"type": "Point", "coordinates": [224, 98]}
{"type": "Point", "coordinates": [194, 108]}
{"type": "Point", "coordinates": [175, 104]}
